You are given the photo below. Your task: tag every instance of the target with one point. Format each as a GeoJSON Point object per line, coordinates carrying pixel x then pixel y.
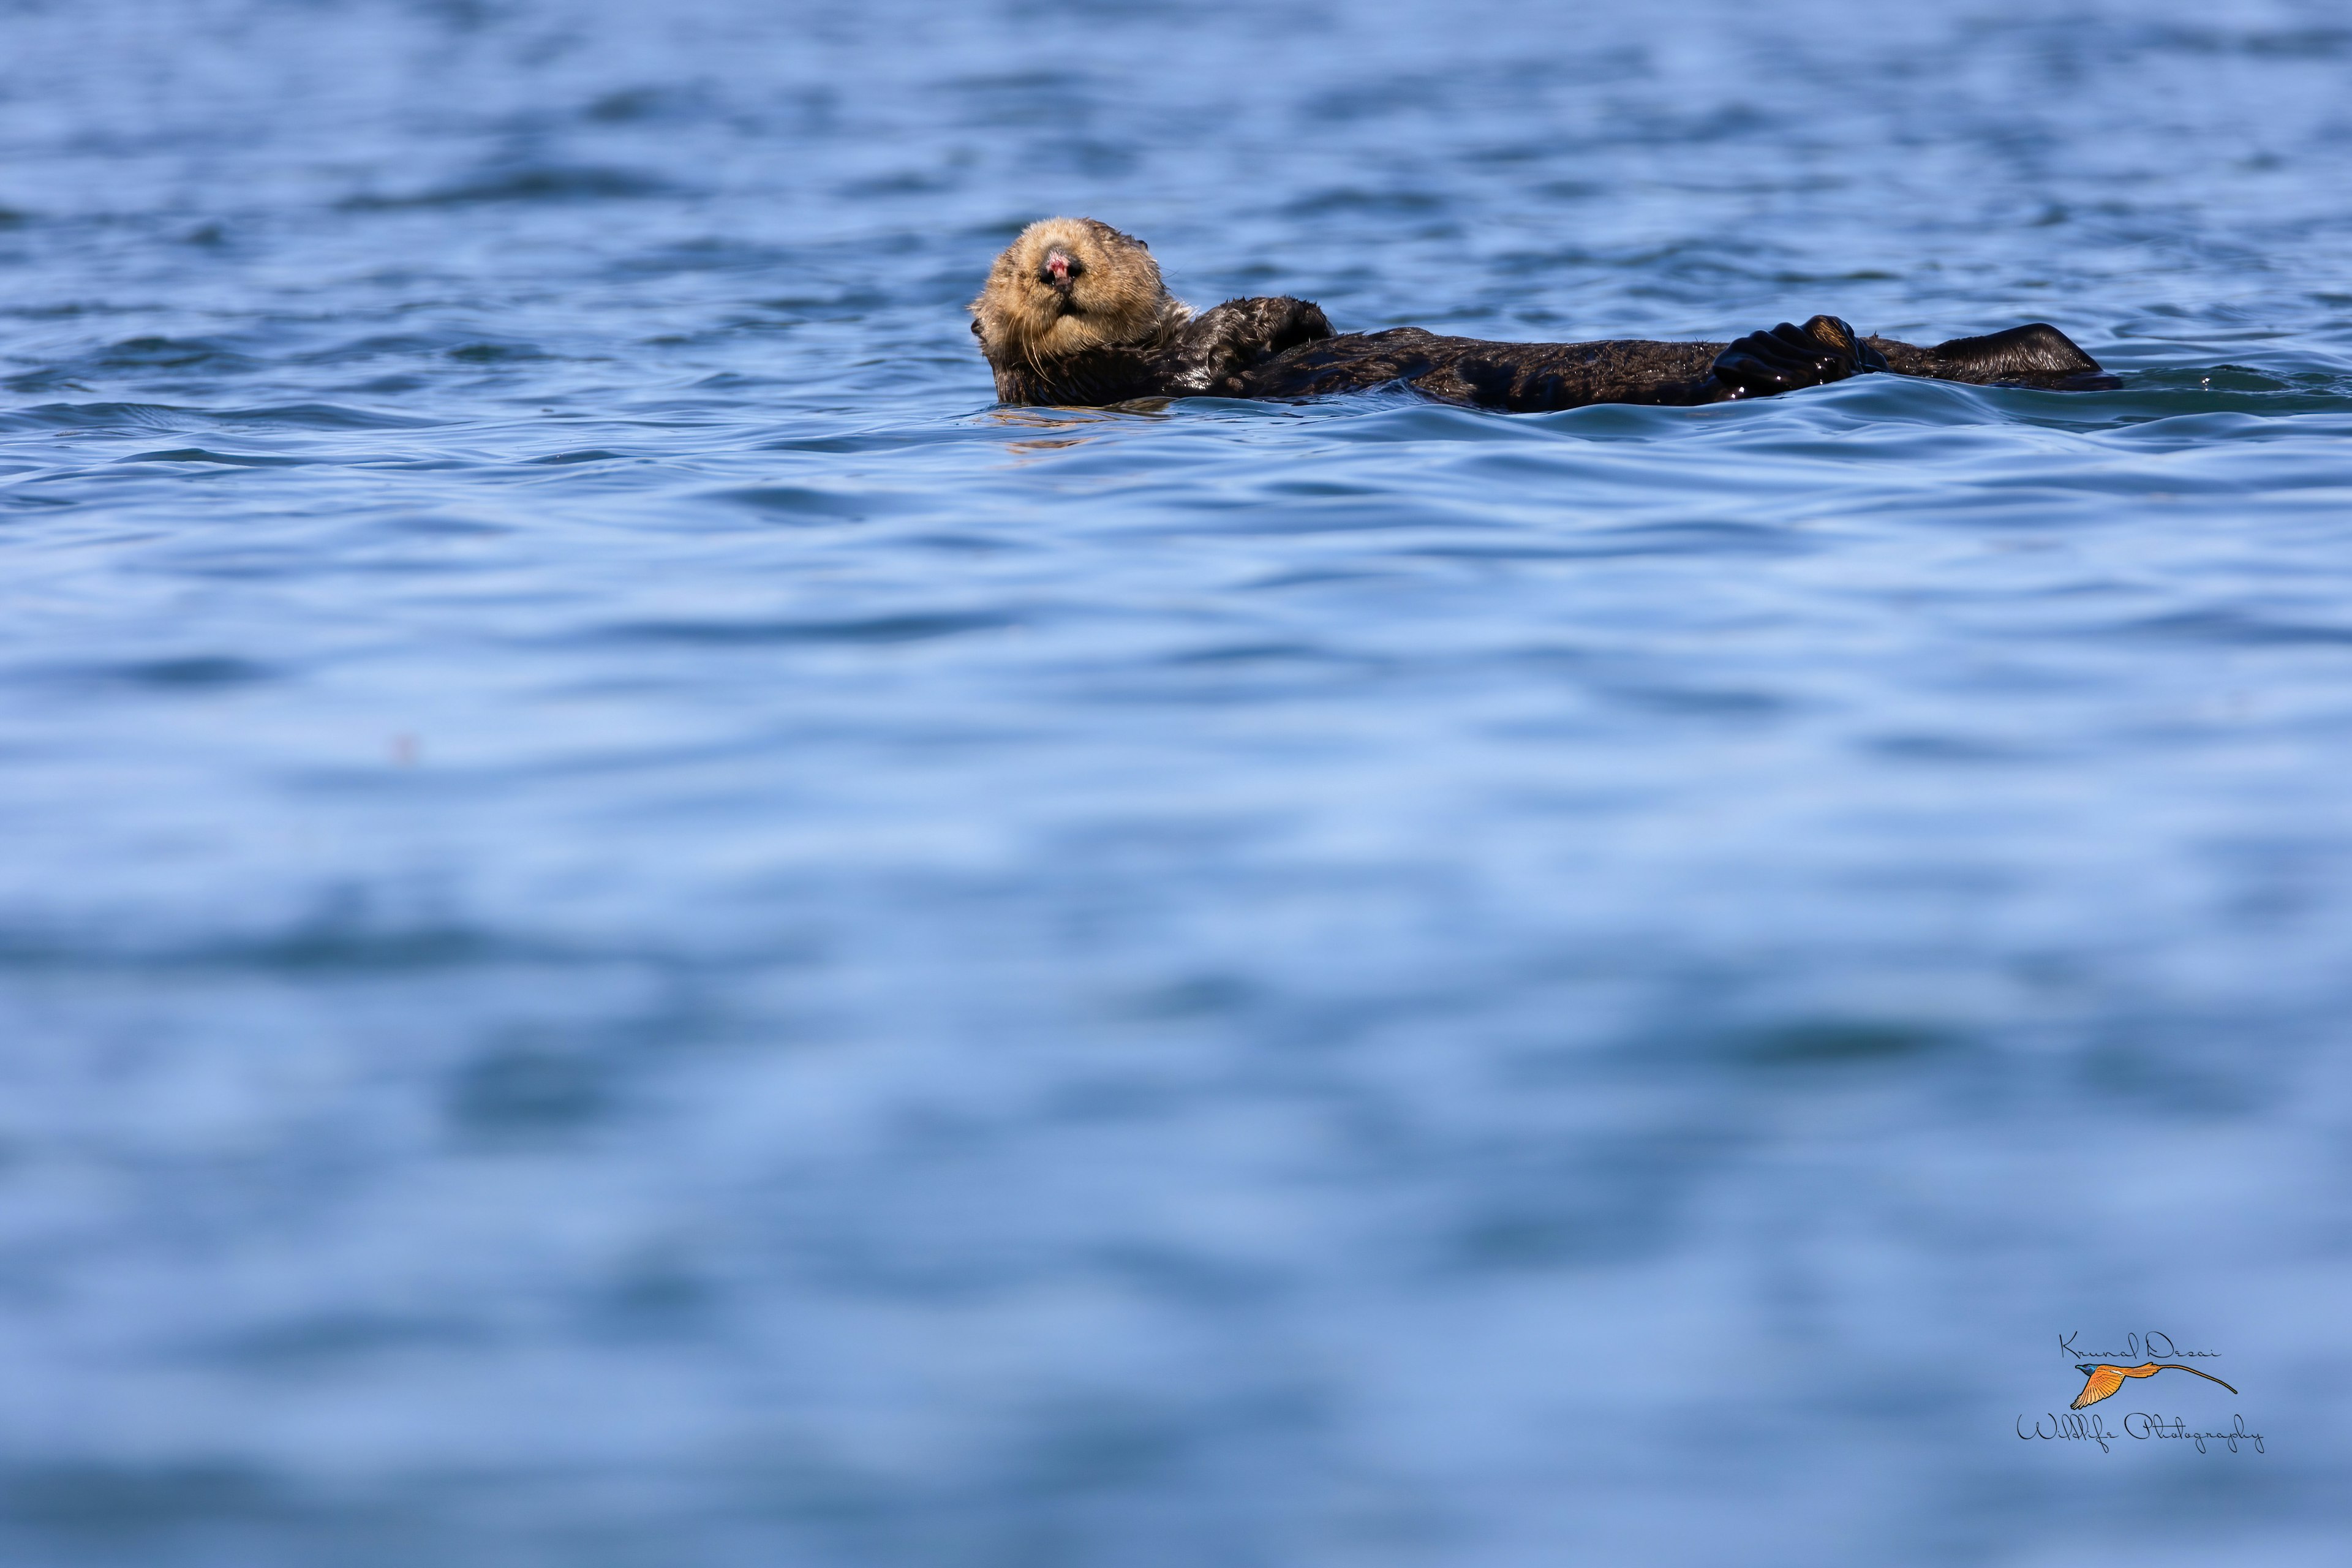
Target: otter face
{"type": "Point", "coordinates": [1066, 285]}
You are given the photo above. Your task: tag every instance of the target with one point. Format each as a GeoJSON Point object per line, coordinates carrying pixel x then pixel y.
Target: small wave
{"type": "Point", "coordinates": [378, 345]}
{"type": "Point", "coordinates": [101, 417]}
{"type": "Point", "coordinates": [1717, 537]}
{"type": "Point", "coordinates": [848, 305]}
{"type": "Point", "coordinates": [232, 459]}
{"type": "Point", "coordinates": [1696, 701]}
{"type": "Point", "coordinates": [556, 183]}
{"type": "Point", "coordinates": [1016, 98]}
{"type": "Point", "coordinates": [1353, 200]}
{"type": "Point", "coordinates": [39, 381]}
{"type": "Point", "coordinates": [1380, 100]}
{"type": "Point", "coordinates": [905, 182]}
{"type": "Point", "coordinates": [1265, 653]}
{"type": "Point", "coordinates": [802, 502]}
{"type": "Point", "coordinates": [191, 672]}
{"type": "Point", "coordinates": [2288, 43]}
{"type": "Point", "coordinates": [2217, 378]}
{"type": "Point", "coordinates": [105, 1496]}
{"type": "Point", "coordinates": [338, 1336]}
{"type": "Point", "coordinates": [151, 352]}
{"type": "Point", "coordinates": [900, 628]}
{"type": "Point", "coordinates": [186, 673]}
{"type": "Point", "coordinates": [565, 459]}
{"type": "Point", "coordinates": [311, 947]}
{"type": "Point", "coordinates": [2240, 628]}
{"type": "Point", "coordinates": [526, 1090]}
{"type": "Point", "coordinates": [323, 417]}
{"type": "Point", "coordinates": [633, 105]}
{"type": "Point", "coordinates": [498, 353]}
{"type": "Point", "coordinates": [95, 416]}
{"type": "Point", "coordinates": [1836, 1042]}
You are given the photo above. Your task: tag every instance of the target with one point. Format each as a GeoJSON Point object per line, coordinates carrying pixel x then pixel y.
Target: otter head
{"type": "Point", "coordinates": [1067, 285]}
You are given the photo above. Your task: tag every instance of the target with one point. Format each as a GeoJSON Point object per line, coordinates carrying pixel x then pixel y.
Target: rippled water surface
{"type": "Point", "coordinates": [636, 930]}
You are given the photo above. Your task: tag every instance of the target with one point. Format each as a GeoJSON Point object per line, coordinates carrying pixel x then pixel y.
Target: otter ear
{"type": "Point", "coordinates": [976, 331]}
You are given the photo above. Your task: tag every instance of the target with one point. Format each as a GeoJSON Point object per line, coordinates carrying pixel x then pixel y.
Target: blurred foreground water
{"type": "Point", "coordinates": [636, 930]}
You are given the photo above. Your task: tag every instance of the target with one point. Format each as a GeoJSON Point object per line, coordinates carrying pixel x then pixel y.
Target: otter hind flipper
{"type": "Point", "coordinates": [2035, 354]}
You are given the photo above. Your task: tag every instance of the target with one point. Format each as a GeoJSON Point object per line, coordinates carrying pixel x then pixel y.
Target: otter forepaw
{"type": "Point", "coordinates": [1788, 357]}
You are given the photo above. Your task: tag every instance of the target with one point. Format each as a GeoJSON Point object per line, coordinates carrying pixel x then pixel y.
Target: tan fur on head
{"type": "Point", "coordinates": [1067, 285]}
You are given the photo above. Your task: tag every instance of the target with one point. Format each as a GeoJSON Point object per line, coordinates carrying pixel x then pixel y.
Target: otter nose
{"type": "Point", "coordinates": [1061, 267]}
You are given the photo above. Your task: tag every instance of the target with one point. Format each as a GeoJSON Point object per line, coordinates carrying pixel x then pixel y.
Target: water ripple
{"type": "Point", "coordinates": [636, 929]}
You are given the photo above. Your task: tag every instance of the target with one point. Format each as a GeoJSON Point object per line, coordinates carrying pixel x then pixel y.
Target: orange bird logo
{"type": "Point", "coordinates": [2105, 1379]}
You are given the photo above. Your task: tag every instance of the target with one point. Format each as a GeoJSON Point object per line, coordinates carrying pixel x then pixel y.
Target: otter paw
{"type": "Point", "coordinates": [1786, 358]}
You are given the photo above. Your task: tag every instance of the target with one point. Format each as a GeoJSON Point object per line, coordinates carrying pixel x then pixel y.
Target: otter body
{"type": "Point", "coordinates": [1533, 377]}
{"type": "Point", "coordinates": [1076, 314]}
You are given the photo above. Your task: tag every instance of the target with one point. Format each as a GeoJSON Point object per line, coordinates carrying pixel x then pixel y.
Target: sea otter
{"type": "Point", "coordinates": [1075, 313]}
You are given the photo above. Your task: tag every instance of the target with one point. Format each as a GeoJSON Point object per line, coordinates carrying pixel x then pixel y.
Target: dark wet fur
{"type": "Point", "coordinates": [1516, 376]}
{"type": "Point", "coordinates": [1207, 355]}
{"type": "Point", "coordinates": [1284, 348]}
{"type": "Point", "coordinates": [2036, 355]}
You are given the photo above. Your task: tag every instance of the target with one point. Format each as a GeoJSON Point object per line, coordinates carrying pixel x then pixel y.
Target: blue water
{"type": "Point", "coordinates": [635, 930]}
